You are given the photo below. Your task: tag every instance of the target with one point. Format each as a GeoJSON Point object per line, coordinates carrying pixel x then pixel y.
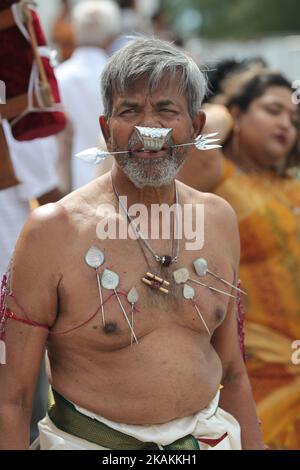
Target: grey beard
{"type": "Point", "coordinates": [149, 171]}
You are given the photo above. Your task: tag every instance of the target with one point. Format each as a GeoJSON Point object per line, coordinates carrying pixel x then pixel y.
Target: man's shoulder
{"type": "Point", "coordinates": [84, 202]}
{"type": "Point", "coordinates": [213, 203]}
{"type": "Point", "coordinates": [221, 208]}
{"type": "Point", "coordinates": [56, 218]}
{"type": "Point", "coordinates": [47, 221]}
{"type": "Point", "coordinates": [219, 215]}
{"type": "Point", "coordinates": [43, 238]}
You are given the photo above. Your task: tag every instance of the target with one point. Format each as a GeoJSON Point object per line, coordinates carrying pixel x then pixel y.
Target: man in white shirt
{"type": "Point", "coordinates": [96, 25]}
{"type": "Point", "coordinates": [34, 165]}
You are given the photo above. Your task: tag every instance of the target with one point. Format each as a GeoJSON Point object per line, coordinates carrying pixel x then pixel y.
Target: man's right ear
{"type": "Point", "coordinates": [105, 129]}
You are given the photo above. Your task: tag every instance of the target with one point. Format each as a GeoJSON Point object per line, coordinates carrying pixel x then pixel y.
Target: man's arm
{"type": "Point", "coordinates": [236, 396]}
{"type": "Point", "coordinates": [204, 170]}
{"type": "Point", "coordinates": [34, 279]}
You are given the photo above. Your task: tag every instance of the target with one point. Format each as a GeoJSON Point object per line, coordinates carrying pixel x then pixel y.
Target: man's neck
{"type": "Point", "coordinates": [147, 195]}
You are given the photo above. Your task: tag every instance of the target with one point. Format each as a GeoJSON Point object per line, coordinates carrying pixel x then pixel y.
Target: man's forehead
{"type": "Point", "coordinates": [168, 87]}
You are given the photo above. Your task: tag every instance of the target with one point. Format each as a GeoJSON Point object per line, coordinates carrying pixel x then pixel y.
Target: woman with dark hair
{"type": "Point", "coordinates": [258, 123]}
{"type": "Point", "coordinates": [264, 103]}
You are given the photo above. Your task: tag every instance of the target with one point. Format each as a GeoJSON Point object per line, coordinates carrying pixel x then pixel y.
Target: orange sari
{"type": "Point", "coordinates": [268, 210]}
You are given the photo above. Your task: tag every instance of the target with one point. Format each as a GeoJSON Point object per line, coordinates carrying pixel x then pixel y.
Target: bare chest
{"type": "Point", "coordinates": [121, 302]}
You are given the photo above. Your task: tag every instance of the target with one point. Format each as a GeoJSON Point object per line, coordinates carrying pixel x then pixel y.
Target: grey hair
{"type": "Point", "coordinates": [152, 58]}
{"type": "Point", "coordinates": [94, 22]}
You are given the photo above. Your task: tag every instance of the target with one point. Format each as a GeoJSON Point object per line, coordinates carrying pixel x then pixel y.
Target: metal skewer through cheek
{"type": "Point", "coordinates": [205, 144]}
{"type": "Point", "coordinates": [153, 140]}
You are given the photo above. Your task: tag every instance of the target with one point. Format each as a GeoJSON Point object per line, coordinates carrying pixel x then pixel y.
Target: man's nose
{"type": "Point", "coordinates": [150, 118]}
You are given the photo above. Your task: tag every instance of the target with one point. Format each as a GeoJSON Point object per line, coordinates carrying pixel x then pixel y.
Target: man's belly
{"type": "Point", "coordinates": [172, 372]}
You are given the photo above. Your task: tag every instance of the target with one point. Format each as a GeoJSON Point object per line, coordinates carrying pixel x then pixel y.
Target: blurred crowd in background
{"type": "Point", "coordinates": [252, 101]}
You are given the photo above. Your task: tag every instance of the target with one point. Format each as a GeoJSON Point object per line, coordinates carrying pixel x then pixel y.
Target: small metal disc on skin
{"type": "Point", "coordinates": [188, 292]}
{"type": "Point", "coordinates": [110, 280]}
{"type": "Point", "coordinates": [201, 268]}
{"type": "Point", "coordinates": [181, 275]}
{"type": "Point", "coordinates": [94, 257]}
{"type": "Point", "coordinates": [200, 265]}
{"type": "Point", "coordinates": [133, 296]}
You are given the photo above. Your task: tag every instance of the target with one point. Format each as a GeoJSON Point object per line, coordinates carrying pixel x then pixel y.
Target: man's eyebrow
{"type": "Point", "coordinates": [165, 103]}
{"type": "Point", "coordinates": [128, 104]}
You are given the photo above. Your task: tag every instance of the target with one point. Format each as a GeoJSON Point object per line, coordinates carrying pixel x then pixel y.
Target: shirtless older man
{"type": "Point", "coordinates": [155, 357]}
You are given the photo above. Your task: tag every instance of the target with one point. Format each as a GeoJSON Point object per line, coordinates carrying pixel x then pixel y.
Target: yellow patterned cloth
{"type": "Point", "coordinates": [268, 210]}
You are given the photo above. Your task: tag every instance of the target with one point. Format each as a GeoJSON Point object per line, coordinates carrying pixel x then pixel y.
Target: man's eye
{"type": "Point", "coordinates": [128, 111]}
{"type": "Point", "coordinates": [168, 110]}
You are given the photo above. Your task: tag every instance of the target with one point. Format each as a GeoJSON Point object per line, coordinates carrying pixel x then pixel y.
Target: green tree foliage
{"type": "Point", "coordinates": [242, 18]}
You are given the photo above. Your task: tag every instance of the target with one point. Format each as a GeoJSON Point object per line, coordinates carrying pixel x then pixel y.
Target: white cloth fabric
{"type": "Point", "coordinates": [13, 213]}
{"type": "Point", "coordinates": [34, 163]}
{"type": "Point", "coordinates": [35, 167]}
{"type": "Point", "coordinates": [211, 423]}
{"type": "Point", "coordinates": [79, 84]}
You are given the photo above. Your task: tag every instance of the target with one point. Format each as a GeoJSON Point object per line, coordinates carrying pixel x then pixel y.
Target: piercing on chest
{"type": "Point", "coordinates": [201, 268]}
{"type": "Point", "coordinates": [156, 282]}
{"type": "Point", "coordinates": [132, 298]}
{"type": "Point", "coordinates": [189, 294]}
{"type": "Point", "coordinates": [182, 275]}
{"type": "Point", "coordinates": [110, 280]}
{"type": "Point", "coordinates": [94, 258]}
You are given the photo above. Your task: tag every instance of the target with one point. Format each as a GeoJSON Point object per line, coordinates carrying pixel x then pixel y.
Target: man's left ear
{"type": "Point", "coordinates": [105, 129]}
{"type": "Point", "coordinates": [198, 123]}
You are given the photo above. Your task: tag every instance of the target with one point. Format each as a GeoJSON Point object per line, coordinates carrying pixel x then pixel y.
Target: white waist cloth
{"type": "Point", "coordinates": [210, 423]}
